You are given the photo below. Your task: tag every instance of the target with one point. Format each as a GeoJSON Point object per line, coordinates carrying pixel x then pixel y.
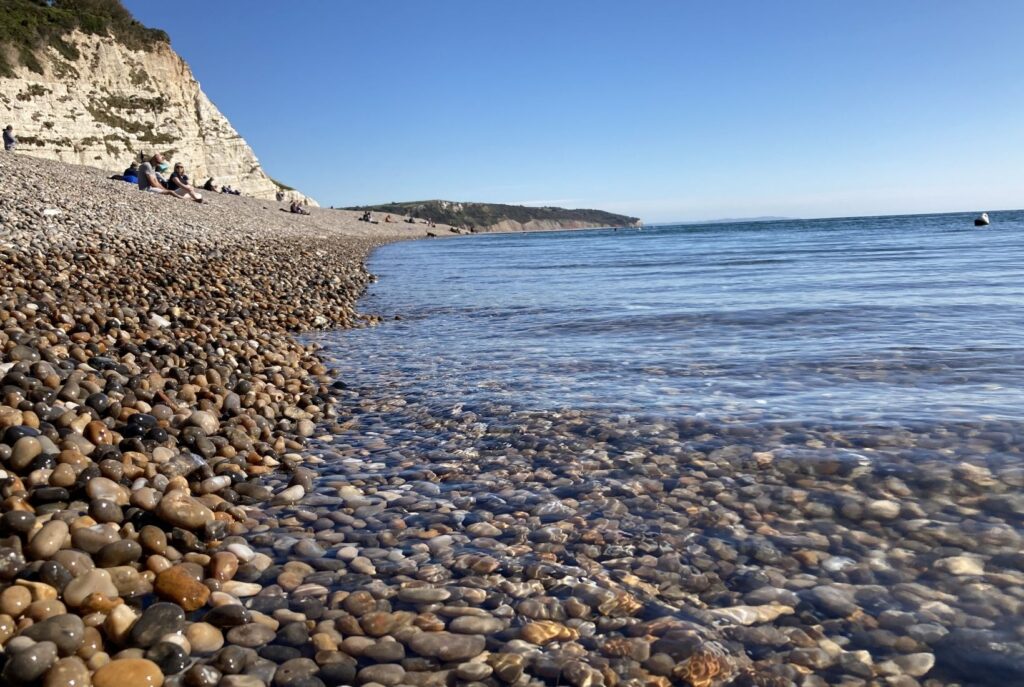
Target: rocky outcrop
{"type": "Point", "coordinates": [113, 102]}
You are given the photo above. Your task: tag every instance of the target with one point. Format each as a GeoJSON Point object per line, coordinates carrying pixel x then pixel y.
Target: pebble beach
{"type": "Point", "coordinates": [194, 495]}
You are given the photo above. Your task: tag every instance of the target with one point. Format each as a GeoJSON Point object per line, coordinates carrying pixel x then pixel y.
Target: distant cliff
{"type": "Point", "coordinates": [485, 217]}
{"type": "Point", "coordinates": [81, 81]}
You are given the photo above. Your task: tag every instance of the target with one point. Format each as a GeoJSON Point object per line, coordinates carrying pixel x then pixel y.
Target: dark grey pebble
{"type": "Point", "coordinates": [66, 631]}
{"type": "Point", "coordinates": [228, 615]}
{"type": "Point", "coordinates": [171, 658]}
{"type": "Point", "coordinates": [26, 666]}
{"type": "Point", "coordinates": [156, 621]}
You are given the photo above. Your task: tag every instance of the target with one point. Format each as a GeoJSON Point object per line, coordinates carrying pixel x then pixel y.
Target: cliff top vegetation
{"type": "Point", "coordinates": [28, 26]}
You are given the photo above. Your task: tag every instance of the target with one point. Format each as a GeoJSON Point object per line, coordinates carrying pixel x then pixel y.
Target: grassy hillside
{"type": "Point", "coordinates": [28, 26]}
{"type": "Point", "coordinates": [483, 215]}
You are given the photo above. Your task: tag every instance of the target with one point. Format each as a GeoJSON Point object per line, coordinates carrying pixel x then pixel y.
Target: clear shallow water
{"type": "Point", "coordinates": [914, 319]}
{"type": "Point", "coordinates": [710, 417]}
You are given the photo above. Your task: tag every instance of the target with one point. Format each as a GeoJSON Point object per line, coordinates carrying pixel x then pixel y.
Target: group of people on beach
{"type": "Point", "coordinates": [149, 175]}
{"type": "Point", "coordinates": [367, 216]}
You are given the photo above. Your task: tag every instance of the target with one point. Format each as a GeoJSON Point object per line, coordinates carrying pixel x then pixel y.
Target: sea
{"type": "Point", "coordinates": [827, 413]}
{"type": "Point", "coordinates": [879, 320]}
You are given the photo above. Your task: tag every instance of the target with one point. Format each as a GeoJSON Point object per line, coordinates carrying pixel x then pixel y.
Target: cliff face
{"type": "Point", "coordinates": [112, 102]}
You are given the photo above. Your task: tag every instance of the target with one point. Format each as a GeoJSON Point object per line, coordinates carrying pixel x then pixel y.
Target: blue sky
{"type": "Point", "coordinates": [668, 110]}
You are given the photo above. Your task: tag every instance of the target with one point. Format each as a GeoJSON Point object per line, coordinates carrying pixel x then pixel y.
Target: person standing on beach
{"type": "Point", "coordinates": [147, 177]}
{"type": "Point", "coordinates": [10, 142]}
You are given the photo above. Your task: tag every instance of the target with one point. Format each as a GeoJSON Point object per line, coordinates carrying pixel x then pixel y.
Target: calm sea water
{"type": "Point", "coordinates": [911, 319]}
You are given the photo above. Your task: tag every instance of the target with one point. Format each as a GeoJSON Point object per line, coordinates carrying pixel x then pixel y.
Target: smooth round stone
{"type": "Point", "coordinates": [338, 673]}
{"type": "Point", "coordinates": [362, 565]}
{"type": "Point", "coordinates": [48, 540]}
{"type": "Point", "coordinates": [67, 672]}
{"type": "Point", "coordinates": [118, 553]}
{"type": "Point", "coordinates": [22, 353]}
{"type": "Point", "coordinates": [204, 420]}
{"type": "Point", "coordinates": [476, 625]}
{"type": "Point", "coordinates": [253, 635]}
{"type": "Point", "coordinates": [104, 511]}
{"type": "Point", "coordinates": [228, 615]}
{"type": "Point", "coordinates": [67, 632]}
{"type": "Point", "coordinates": [25, 451]}
{"type": "Point", "coordinates": [101, 488]}
{"type": "Point", "coordinates": [146, 498]}
{"type": "Point", "coordinates": [18, 521]}
{"type": "Point", "coordinates": [177, 584]}
{"type": "Point", "coordinates": [359, 603]}
{"type": "Point", "coordinates": [137, 672]}
{"type": "Point", "coordinates": [384, 652]}
{"type": "Point", "coordinates": [54, 574]}
{"type": "Point", "coordinates": [241, 589]}
{"type": "Point", "coordinates": [28, 664]}
{"type": "Point", "coordinates": [202, 676]}
{"type": "Point", "coordinates": [296, 672]}
{"type": "Point", "coordinates": [473, 672]}
{"type": "Point", "coordinates": [181, 510]}
{"type": "Point", "coordinates": [204, 638]}
{"type": "Point", "coordinates": [293, 634]}
{"type": "Point", "coordinates": [290, 495]}
{"type": "Point", "coordinates": [232, 660]}
{"type": "Point", "coordinates": [961, 565]}
{"type": "Point", "coordinates": [93, 539]}
{"type": "Point", "coordinates": [14, 601]}
{"type": "Point", "coordinates": [307, 548]}
{"type": "Point", "coordinates": [154, 539]}
{"type": "Point", "coordinates": [383, 674]}
{"type": "Point", "coordinates": [883, 509]}
{"type": "Point", "coordinates": [422, 595]}
{"type": "Point", "coordinates": [119, 620]}
{"type": "Point", "coordinates": [223, 565]}
{"type": "Point", "coordinates": [214, 484]}
{"type": "Point", "coordinates": [446, 645]}
{"type": "Point", "coordinates": [242, 552]}
{"type": "Point", "coordinates": [169, 657]}
{"type": "Point", "coordinates": [92, 582]}
{"type": "Point", "coordinates": [74, 561]}
{"type": "Point", "coordinates": [158, 620]}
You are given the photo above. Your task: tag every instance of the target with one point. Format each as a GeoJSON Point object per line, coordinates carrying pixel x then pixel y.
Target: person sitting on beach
{"type": "Point", "coordinates": [10, 142]}
{"type": "Point", "coordinates": [208, 186]}
{"type": "Point", "coordinates": [297, 209]}
{"type": "Point", "coordinates": [179, 184]}
{"type": "Point", "coordinates": [131, 175]}
{"type": "Point", "coordinates": [387, 219]}
{"type": "Point", "coordinates": [148, 178]}
{"type": "Point", "coordinates": [162, 170]}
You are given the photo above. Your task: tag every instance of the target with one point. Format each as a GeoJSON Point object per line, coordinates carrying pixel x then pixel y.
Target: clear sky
{"type": "Point", "coordinates": [665, 109]}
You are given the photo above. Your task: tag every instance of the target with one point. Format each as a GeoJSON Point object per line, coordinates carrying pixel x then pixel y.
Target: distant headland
{"type": "Point", "coordinates": [488, 217]}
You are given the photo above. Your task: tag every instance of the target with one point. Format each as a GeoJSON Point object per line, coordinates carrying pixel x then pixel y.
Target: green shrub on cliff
{"type": "Point", "coordinates": [27, 26]}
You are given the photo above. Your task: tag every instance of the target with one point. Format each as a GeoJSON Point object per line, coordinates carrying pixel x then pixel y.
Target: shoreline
{"type": "Point", "coordinates": [149, 389]}
{"type": "Point", "coordinates": [192, 498]}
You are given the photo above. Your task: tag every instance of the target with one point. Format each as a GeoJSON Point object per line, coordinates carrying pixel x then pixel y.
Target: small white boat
{"type": "Point", "coordinates": [982, 220]}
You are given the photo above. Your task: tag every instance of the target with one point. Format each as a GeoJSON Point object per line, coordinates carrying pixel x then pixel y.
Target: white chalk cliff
{"type": "Point", "coordinates": [113, 102]}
